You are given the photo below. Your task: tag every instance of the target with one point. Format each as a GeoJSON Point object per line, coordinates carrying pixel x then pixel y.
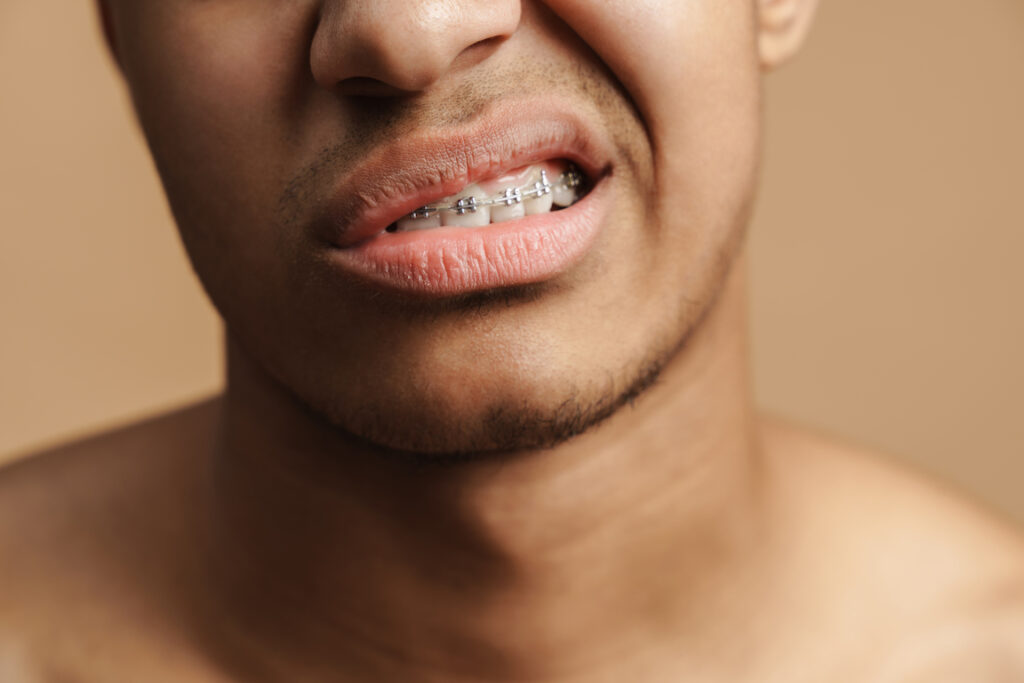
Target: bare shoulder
{"type": "Point", "coordinates": [874, 500]}
{"type": "Point", "coordinates": [987, 647]}
{"type": "Point", "coordinates": [86, 530]}
{"type": "Point", "coordinates": [50, 494]}
{"type": "Point", "coordinates": [930, 579]}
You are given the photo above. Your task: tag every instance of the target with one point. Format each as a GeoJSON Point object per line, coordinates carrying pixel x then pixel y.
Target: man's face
{"type": "Point", "coordinates": [275, 124]}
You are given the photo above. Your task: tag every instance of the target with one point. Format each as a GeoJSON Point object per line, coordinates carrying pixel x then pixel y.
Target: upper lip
{"type": "Point", "coordinates": [410, 172]}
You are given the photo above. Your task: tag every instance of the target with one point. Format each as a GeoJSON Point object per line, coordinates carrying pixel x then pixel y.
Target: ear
{"type": "Point", "coordinates": [107, 24]}
{"type": "Point", "coordinates": [782, 28]}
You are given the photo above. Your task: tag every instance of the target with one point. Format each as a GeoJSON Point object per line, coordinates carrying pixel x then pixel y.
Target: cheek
{"type": "Point", "coordinates": [198, 75]}
{"type": "Point", "coordinates": [211, 80]}
{"type": "Point", "coordinates": [692, 70]}
{"type": "Point", "coordinates": [668, 52]}
{"type": "Point", "coordinates": [211, 84]}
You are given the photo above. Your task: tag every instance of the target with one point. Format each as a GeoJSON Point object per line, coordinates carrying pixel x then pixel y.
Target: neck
{"type": "Point", "coordinates": [603, 554]}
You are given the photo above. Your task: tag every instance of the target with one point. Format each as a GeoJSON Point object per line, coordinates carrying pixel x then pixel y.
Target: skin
{"type": "Point", "coordinates": [565, 482]}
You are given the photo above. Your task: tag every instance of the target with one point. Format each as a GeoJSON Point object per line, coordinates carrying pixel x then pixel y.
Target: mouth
{"type": "Point", "coordinates": [515, 198]}
{"type": "Point", "coordinates": [528, 191]}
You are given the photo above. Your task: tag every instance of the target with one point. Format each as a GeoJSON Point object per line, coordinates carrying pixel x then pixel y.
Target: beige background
{"type": "Point", "coordinates": [886, 249]}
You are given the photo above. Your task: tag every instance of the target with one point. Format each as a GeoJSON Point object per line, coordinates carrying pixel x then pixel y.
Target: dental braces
{"type": "Point", "coordinates": [570, 179]}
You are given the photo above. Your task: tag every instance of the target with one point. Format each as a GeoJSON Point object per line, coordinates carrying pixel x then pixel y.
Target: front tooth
{"type": "Point", "coordinates": [541, 203]}
{"type": "Point", "coordinates": [509, 208]}
{"type": "Point", "coordinates": [411, 223]}
{"type": "Point", "coordinates": [475, 218]}
{"type": "Point", "coordinates": [500, 212]}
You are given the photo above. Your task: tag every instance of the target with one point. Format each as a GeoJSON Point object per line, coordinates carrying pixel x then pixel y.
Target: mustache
{"type": "Point", "coordinates": [368, 122]}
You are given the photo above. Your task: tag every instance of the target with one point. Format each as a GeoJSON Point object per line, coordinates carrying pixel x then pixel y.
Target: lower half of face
{"type": "Point", "coordinates": [236, 124]}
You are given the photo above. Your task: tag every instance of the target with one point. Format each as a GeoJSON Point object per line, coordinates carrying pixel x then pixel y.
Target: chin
{"type": "Point", "coordinates": [506, 415]}
{"type": "Point", "coordinates": [498, 428]}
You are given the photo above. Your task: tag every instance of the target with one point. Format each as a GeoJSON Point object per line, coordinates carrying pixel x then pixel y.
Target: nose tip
{"type": "Point", "coordinates": [382, 47]}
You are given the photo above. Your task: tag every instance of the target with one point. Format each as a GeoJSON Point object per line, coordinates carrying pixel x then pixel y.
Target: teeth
{"type": "Point", "coordinates": [542, 200]}
{"type": "Point", "coordinates": [500, 214]}
{"type": "Point", "coordinates": [417, 222]}
{"type": "Point", "coordinates": [469, 213]}
{"type": "Point", "coordinates": [510, 206]}
{"type": "Point", "coordinates": [473, 208]}
{"type": "Point", "coordinates": [562, 196]}
{"type": "Point", "coordinates": [564, 193]}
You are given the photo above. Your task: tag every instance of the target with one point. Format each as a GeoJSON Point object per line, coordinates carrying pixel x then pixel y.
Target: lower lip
{"type": "Point", "coordinates": [451, 261]}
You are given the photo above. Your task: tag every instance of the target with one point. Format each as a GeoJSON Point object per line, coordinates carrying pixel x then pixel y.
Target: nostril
{"type": "Point", "coordinates": [479, 51]}
{"type": "Point", "coordinates": [488, 43]}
